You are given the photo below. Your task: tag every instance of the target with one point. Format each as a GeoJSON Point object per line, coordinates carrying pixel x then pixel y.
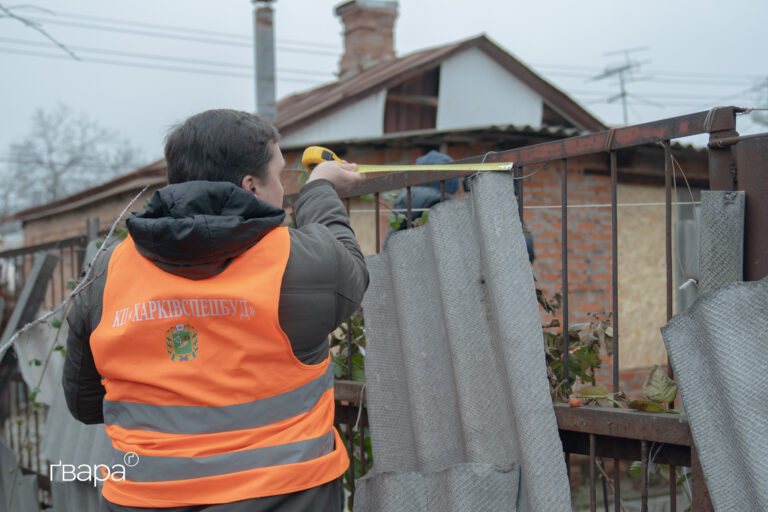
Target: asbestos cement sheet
{"type": "Point", "coordinates": [455, 365]}
{"type": "Point", "coordinates": [718, 352]}
{"type": "Point", "coordinates": [721, 256]}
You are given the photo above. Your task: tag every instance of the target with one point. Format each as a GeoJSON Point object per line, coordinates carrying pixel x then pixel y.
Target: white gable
{"type": "Point", "coordinates": [364, 118]}
{"type": "Point", "coordinates": [476, 91]}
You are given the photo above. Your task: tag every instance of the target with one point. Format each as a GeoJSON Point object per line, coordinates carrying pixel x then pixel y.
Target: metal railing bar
{"type": "Point", "coordinates": [564, 237]}
{"type": "Point", "coordinates": [672, 488]}
{"type": "Point", "coordinates": [408, 207]}
{"type": "Point", "coordinates": [623, 138]}
{"type": "Point", "coordinates": [592, 482]}
{"type": "Point", "coordinates": [547, 206]}
{"type": "Point", "coordinates": [615, 270]}
{"type": "Point", "coordinates": [378, 224]}
{"type": "Point", "coordinates": [56, 244]}
{"type": "Point", "coordinates": [616, 478]}
{"type": "Point", "coordinates": [519, 184]}
{"type": "Point", "coordinates": [668, 238]}
{"type": "Point", "coordinates": [644, 480]}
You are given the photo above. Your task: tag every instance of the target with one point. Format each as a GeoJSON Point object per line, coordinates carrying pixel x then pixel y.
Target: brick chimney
{"type": "Point", "coordinates": [368, 34]}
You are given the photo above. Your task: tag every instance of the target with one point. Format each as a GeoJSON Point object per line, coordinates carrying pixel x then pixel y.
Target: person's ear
{"type": "Point", "coordinates": [250, 184]}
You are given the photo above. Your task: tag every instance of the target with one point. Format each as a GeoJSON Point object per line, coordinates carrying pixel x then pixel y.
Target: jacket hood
{"type": "Point", "coordinates": [194, 229]}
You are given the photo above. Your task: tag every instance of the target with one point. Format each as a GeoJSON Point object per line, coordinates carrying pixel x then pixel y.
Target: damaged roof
{"type": "Point", "coordinates": [298, 110]}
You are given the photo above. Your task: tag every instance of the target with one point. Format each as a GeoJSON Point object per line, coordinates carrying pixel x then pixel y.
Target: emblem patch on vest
{"type": "Point", "coordinates": [181, 341]}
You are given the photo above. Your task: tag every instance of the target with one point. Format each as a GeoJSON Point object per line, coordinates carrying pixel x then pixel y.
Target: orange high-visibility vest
{"type": "Point", "coordinates": [205, 401]}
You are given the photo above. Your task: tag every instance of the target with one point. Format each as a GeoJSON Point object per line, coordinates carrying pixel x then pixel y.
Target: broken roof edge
{"type": "Point", "coordinates": [556, 131]}
{"type": "Point", "coordinates": [304, 108]}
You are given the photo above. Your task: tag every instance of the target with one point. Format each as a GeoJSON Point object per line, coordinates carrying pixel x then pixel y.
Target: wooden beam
{"type": "Point", "coordinates": [429, 101]}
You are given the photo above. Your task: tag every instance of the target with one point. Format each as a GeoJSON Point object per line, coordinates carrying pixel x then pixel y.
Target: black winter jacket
{"type": "Point", "coordinates": [195, 229]}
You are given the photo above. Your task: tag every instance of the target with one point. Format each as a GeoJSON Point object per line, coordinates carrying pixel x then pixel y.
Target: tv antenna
{"type": "Point", "coordinates": [625, 73]}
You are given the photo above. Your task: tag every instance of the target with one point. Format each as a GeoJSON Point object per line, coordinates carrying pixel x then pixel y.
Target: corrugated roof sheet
{"type": "Point", "coordinates": [455, 366]}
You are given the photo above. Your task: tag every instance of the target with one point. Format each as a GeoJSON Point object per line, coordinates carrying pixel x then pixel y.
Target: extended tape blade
{"type": "Point", "coordinates": [496, 166]}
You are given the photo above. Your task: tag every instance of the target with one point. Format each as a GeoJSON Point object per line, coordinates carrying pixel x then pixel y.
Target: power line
{"type": "Point", "coordinates": [175, 37]}
{"type": "Point", "coordinates": [156, 57]}
{"type": "Point", "coordinates": [148, 66]}
{"type": "Point", "coordinates": [189, 30]}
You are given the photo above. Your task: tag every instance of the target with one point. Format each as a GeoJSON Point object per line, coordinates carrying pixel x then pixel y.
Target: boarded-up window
{"type": "Point", "coordinates": [412, 105]}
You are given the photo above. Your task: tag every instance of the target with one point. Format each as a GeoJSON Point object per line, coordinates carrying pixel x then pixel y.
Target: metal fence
{"type": "Point", "coordinates": [606, 433]}
{"type": "Point", "coordinates": [597, 433]}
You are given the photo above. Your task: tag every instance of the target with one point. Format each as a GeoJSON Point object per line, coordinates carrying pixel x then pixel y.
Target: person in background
{"type": "Point", "coordinates": [427, 195]}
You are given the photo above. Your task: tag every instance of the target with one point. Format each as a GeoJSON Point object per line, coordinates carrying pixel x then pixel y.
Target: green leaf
{"type": "Point", "coordinates": [33, 394]}
{"type": "Point", "coordinates": [395, 221]}
{"type": "Point", "coordinates": [598, 390]}
{"type": "Point", "coordinates": [70, 284]}
{"type": "Point", "coordinates": [636, 469]}
{"type": "Point", "coordinates": [367, 197]}
{"type": "Point", "coordinates": [358, 367]}
{"type": "Point", "coordinates": [659, 387]}
{"type": "Point", "coordinates": [339, 367]}
{"type": "Point", "coordinates": [647, 406]}
{"type": "Point", "coordinates": [56, 323]}
{"type": "Point", "coordinates": [35, 362]}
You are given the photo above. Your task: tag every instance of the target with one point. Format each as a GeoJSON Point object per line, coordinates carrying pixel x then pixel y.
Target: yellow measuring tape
{"type": "Point", "coordinates": [315, 155]}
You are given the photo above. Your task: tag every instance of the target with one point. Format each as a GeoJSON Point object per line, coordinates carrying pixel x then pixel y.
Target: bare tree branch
{"type": "Point", "coordinates": [35, 26]}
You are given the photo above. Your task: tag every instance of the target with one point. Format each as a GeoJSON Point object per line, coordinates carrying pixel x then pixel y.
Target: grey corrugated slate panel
{"type": "Point", "coordinates": [72, 442]}
{"type": "Point", "coordinates": [718, 352]}
{"type": "Point", "coordinates": [721, 256]}
{"type": "Point", "coordinates": [24, 497]}
{"type": "Point", "coordinates": [455, 366]}
{"type": "Point", "coordinates": [36, 344]}
{"type": "Point", "coordinates": [464, 487]}
{"type": "Point", "coordinates": [75, 497]}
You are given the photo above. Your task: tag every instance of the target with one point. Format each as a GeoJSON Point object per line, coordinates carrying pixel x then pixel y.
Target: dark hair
{"type": "Point", "coordinates": [220, 145]}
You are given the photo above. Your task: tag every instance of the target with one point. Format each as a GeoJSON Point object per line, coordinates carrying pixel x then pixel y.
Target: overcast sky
{"type": "Point", "coordinates": [148, 64]}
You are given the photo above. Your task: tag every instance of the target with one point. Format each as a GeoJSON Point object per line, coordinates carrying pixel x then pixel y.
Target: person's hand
{"type": "Point", "coordinates": [344, 176]}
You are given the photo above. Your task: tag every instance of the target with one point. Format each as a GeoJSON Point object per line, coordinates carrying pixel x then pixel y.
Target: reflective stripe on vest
{"type": "Point", "coordinates": [160, 469]}
{"type": "Point", "coordinates": [203, 387]}
{"type": "Point", "coordinates": [186, 419]}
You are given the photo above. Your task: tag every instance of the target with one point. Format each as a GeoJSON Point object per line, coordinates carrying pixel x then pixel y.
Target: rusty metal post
{"type": "Point", "coordinates": [752, 177]}
{"type": "Point", "coordinates": [700, 499]}
{"type": "Point", "coordinates": [564, 237]}
{"type": "Point", "coordinates": [377, 213]}
{"type": "Point", "coordinates": [408, 208]}
{"type": "Point", "coordinates": [721, 124]}
{"type": "Point", "coordinates": [592, 482]}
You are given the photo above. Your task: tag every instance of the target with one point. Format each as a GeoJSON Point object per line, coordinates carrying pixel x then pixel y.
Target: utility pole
{"type": "Point", "coordinates": [264, 59]}
{"type": "Point", "coordinates": [623, 71]}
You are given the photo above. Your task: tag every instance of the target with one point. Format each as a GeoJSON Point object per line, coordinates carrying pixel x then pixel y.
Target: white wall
{"type": "Point", "coordinates": [476, 91]}
{"type": "Point", "coordinates": [364, 118]}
